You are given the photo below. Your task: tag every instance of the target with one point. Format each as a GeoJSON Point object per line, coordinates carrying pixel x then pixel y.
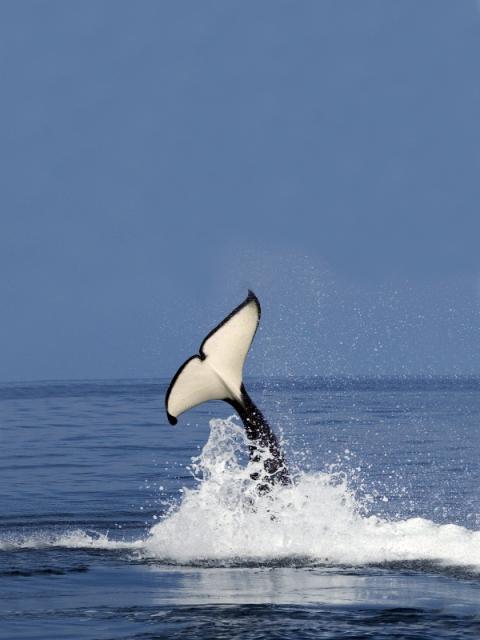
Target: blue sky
{"type": "Point", "coordinates": [158, 158]}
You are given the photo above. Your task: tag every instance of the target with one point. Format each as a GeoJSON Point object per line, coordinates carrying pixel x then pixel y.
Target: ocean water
{"type": "Point", "coordinates": [115, 525]}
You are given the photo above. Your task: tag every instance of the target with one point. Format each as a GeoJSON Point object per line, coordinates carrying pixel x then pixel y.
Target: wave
{"type": "Point", "coordinates": [76, 539]}
{"type": "Point", "coordinates": [318, 520]}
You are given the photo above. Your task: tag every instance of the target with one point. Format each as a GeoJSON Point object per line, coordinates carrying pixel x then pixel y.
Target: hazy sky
{"type": "Point", "coordinates": [159, 157]}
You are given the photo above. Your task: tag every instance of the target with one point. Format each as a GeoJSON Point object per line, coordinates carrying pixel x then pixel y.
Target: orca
{"type": "Point", "coordinates": [216, 373]}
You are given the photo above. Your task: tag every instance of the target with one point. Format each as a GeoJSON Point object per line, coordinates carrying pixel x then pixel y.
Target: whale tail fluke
{"type": "Point", "coordinates": [216, 372]}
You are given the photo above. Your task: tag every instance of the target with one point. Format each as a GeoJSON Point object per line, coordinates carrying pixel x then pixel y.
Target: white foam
{"type": "Point", "coordinates": [318, 518]}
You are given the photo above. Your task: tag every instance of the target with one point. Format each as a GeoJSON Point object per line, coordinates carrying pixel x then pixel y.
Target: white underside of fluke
{"type": "Point", "coordinates": [217, 373]}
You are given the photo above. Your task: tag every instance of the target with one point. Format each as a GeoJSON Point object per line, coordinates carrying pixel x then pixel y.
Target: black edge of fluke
{"type": "Point", "coordinates": [172, 419]}
{"type": "Point", "coordinates": [250, 297]}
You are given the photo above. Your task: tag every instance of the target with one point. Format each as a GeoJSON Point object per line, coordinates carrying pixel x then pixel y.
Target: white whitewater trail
{"type": "Point", "coordinates": [224, 520]}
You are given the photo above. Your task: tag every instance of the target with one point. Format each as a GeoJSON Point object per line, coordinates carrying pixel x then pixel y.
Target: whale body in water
{"type": "Point", "coordinates": [216, 373]}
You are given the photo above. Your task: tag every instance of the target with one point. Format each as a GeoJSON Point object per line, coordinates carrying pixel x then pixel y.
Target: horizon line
{"type": "Point", "coordinates": [335, 376]}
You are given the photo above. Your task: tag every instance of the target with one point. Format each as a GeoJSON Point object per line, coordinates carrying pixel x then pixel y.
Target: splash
{"type": "Point", "coordinates": [318, 520]}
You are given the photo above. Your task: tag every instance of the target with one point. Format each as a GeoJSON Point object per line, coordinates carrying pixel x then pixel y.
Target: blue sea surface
{"type": "Point", "coordinates": [109, 531]}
